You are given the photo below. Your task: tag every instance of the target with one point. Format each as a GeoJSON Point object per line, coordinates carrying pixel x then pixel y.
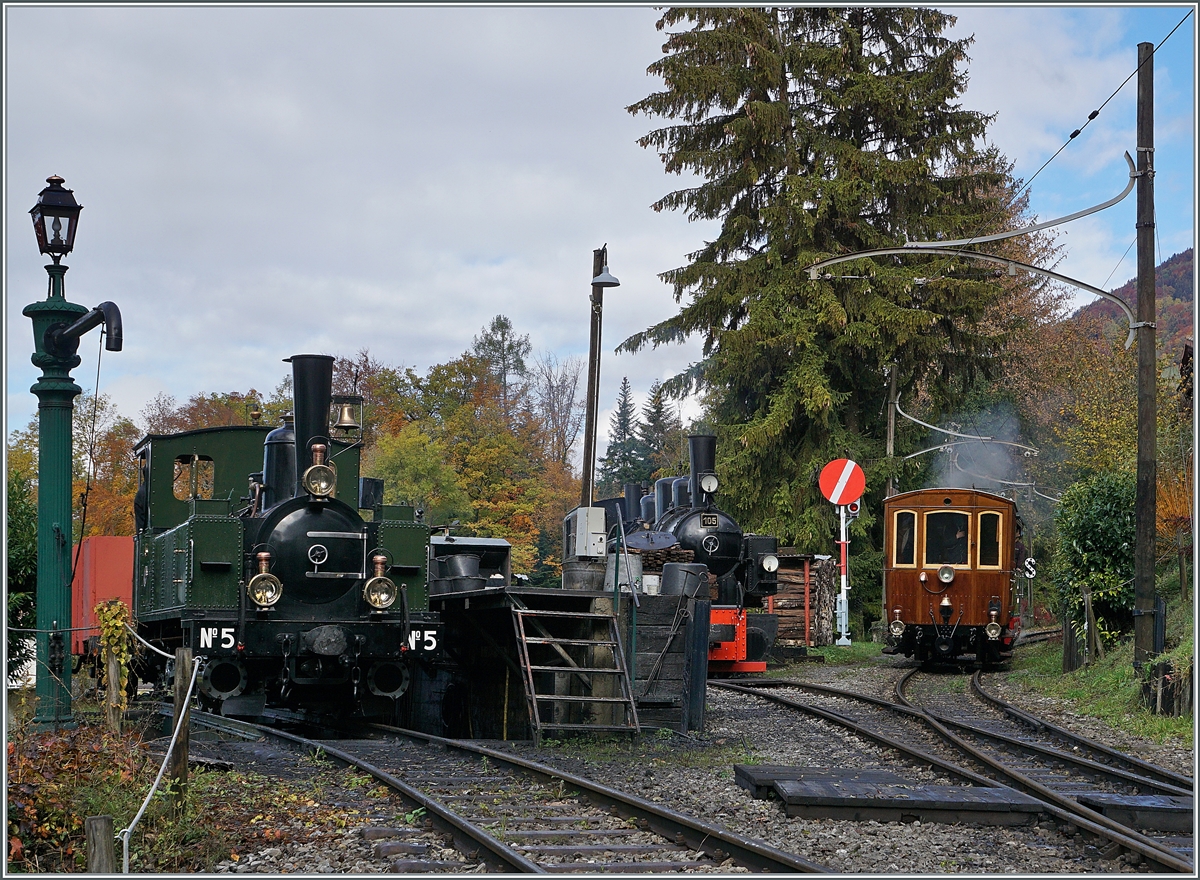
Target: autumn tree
{"type": "Point", "coordinates": [818, 131]}
{"type": "Point", "coordinates": [415, 471]}
{"type": "Point", "coordinates": [504, 352]}
{"type": "Point", "coordinates": [162, 415]}
{"type": "Point", "coordinates": [387, 393]}
{"type": "Point", "coordinates": [554, 389]}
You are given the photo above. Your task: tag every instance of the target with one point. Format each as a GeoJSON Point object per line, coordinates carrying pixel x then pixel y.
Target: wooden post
{"type": "Point", "coordinates": [101, 854]}
{"type": "Point", "coordinates": [112, 703]}
{"type": "Point", "coordinates": [1181, 539]}
{"type": "Point", "coordinates": [179, 755]}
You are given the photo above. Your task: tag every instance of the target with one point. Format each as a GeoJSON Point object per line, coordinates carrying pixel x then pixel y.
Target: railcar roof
{"type": "Point", "coordinates": [938, 490]}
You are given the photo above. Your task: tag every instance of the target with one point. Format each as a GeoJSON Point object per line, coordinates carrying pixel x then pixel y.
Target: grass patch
{"type": "Point", "coordinates": [859, 653]}
{"type": "Point", "coordinates": [1109, 689]}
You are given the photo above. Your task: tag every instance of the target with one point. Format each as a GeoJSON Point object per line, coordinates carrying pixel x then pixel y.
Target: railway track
{"type": "Point", "coordinates": [1071, 771]}
{"type": "Point", "coordinates": [517, 816]}
{"type": "Point", "coordinates": [925, 738]}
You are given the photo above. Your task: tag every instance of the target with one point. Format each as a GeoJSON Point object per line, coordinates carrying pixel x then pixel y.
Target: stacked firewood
{"type": "Point", "coordinates": [653, 560]}
{"type": "Point", "coordinates": [789, 601]}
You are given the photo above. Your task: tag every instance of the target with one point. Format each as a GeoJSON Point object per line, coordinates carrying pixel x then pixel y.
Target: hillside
{"type": "Point", "coordinates": [1174, 294]}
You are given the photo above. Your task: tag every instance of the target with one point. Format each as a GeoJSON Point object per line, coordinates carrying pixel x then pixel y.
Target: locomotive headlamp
{"type": "Point", "coordinates": [770, 563]}
{"type": "Point", "coordinates": [320, 479]}
{"type": "Point", "coordinates": [946, 574]}
{"type": "Point", "coordinates": [59, 206]}
{"type": "Point", "coordinates": [708, 483]}
{"type": "Point", "coordinates": [264, 588]}
{"type": "Point", "coordinates": [380, 591]}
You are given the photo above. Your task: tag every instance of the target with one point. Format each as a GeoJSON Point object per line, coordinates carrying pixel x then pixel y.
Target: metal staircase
{"type": "Point", "coordinates": [575, 672]}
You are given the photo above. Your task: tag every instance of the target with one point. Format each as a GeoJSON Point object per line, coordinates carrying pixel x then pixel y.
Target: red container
{"type": "Point", "coordinates": [104, 571]}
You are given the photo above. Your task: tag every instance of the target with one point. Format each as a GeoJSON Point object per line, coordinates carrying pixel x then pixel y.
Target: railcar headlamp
{"type": "Point", "coordinates": [380, 591]}
{"type": "Point", "coordinates": [320, 479]}
{"type": "Point", "coordinates": [770, 563]}
{"type": "Point", "coordinates": [946, 574]}
{"type": "Point", "coordinates": [992, 630]}
{"type": "Point", "coordinates": [896, 627]}
{"type": "Point", "coordinates": [264, 588]}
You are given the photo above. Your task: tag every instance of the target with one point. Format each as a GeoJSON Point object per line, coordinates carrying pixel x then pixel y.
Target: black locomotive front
{"type": "Point", "coordinates": [295, 600]}
{"type": "Point", "coordinates": [744, 565]}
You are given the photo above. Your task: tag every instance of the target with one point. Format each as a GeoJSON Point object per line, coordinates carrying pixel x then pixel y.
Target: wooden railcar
{"type": "Point", "coordinates": [949, 564]}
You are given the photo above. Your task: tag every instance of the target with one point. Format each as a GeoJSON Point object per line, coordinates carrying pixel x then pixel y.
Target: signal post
{"type": "Point", "coordinates": [842, 483]}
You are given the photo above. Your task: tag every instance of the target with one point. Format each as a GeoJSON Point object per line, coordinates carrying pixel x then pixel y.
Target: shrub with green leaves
{"type": "Point", "coordinates": [1096, 536]}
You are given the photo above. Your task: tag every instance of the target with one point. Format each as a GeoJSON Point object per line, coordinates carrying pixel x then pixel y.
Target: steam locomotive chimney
{"type": "Point", "coordinates": [633, 502]}
{"type": "Point", "coordinates": [662, 497]}
{"type": "Point", "coordinates": [312, 389]}
{"type": "Point", "coordinates": [702, 451]}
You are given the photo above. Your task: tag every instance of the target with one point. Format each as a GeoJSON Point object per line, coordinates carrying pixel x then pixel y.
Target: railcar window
{"type": "Point", "coordinates": [946, 536]}
{"type": "Point", "coordinates": [989, 540]}
{"type": "Point", "coordinates": [194, 477]}
{"type": "Point", "coordinates": [905, 534]}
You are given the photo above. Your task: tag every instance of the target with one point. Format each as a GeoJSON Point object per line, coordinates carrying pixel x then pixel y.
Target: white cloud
{"type": "Point", "coordinates": [261, 181]}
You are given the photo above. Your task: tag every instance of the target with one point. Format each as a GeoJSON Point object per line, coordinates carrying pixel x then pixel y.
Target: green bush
{"type": "Point", "coordinates": [1096, 536]}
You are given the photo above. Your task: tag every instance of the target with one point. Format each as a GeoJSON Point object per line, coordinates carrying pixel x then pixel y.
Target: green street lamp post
{"type": "Point", "coordinates": [57, 326]}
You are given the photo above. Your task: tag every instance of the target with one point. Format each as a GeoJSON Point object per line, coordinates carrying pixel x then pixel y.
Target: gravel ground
{"type": "Point", "coordinates": [695, 775]}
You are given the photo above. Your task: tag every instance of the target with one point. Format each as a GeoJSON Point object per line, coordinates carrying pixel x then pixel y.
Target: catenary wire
{"type": "Point", "coordinates": [1096, 112]}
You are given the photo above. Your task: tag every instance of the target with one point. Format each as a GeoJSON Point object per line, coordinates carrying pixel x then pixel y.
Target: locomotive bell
{"type": "Point", "coordinates": [946, 608]}
{"type": "Point", "coordinates": [346, 420]}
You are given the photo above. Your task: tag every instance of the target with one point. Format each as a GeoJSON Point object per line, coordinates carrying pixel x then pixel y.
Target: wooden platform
{"type": "Point", "coordinates": [1158, 812]}
{"type": "Point", "coordinates": [884, 796]}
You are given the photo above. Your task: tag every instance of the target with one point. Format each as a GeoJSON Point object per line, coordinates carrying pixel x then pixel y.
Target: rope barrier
{"type": "Point", "coordinates": [158, 651]}
{"type": "Point", "coordinates": [124, 834]}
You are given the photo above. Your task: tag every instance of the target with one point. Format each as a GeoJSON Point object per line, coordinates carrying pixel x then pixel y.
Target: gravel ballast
{"type": "Point", "coordinates": [694, 775]}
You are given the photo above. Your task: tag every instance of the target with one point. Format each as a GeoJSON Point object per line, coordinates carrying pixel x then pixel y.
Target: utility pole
{"type": "Point", "coordinates": [891, 430]}
{"type": "Point", "coordinates": [1145, 504]}
{"type": "Point", "coordinates": [593, 383]}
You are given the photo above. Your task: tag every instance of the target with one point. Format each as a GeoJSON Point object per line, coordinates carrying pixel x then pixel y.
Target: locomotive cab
{"type": "Point", "coordinates": [948, 575]}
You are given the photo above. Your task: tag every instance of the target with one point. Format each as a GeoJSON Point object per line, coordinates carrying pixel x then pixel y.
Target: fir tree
{"type": "Point", "coordinates": [624, 461]}
{"type": "Point", "coordinates": [505, 353]}
{"type": "Point", "coordinates": [819, 131]}
{"type": "Point", "coordinates": [660, 432]}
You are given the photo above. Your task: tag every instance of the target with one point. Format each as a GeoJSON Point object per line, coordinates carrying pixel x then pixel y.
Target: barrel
{"type": "Point", "coordinates": [684, 578]}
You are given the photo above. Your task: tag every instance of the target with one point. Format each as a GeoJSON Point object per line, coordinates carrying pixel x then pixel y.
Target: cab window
{"type": "Point", "coordinates": [989, 540]}
{"type": "Point", "coordinates": [946, 535]}
{"type": "Point", "coordinates": [904, 547]}
{"type": "Point", "coordinates": [194, 477]}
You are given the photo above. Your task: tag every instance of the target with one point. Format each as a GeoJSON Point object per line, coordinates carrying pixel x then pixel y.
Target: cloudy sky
{"type": "Point", "coordinates": [264, 181]}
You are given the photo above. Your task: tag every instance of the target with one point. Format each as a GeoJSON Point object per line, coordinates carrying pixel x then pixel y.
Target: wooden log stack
{"type": "Point", "coordinates": [789, 601]}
